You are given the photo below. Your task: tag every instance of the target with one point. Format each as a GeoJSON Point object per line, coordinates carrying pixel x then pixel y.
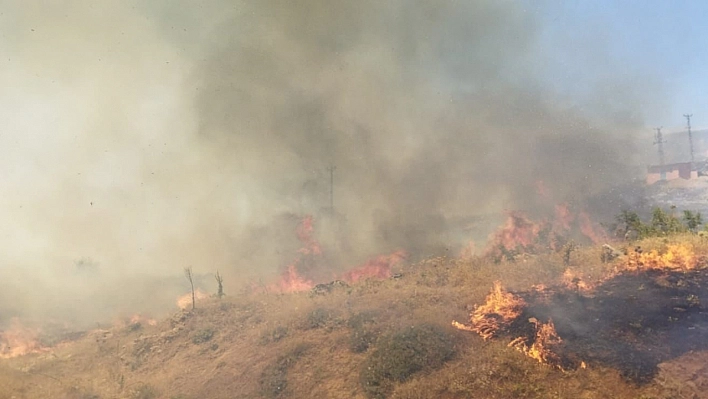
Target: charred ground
{"type": "Point", "coordinates": [632, 322]}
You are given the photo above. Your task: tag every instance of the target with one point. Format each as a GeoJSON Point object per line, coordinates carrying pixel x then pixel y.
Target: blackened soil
{"type": "Point", "coordinates": [631, 322]}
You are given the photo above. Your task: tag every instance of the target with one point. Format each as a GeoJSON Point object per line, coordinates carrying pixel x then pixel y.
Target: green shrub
{"type": "Point", "coordinates": [203, 336]}
{"type": "Point", "coordinates": [662, 223]}
{"type": "Point", "coordinates": [693, 220]}
{"type": "Point", "coordinates": [400, 355]}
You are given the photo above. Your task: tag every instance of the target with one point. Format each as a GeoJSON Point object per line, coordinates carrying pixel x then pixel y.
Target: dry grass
{"type": "Point", "coordinates": [246, 347]}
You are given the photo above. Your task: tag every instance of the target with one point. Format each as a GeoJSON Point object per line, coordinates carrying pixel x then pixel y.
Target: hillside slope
{"type": "Point", "coordinates": [377, 338]}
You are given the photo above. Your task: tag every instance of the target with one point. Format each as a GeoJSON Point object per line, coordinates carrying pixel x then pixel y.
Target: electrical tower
{"type": "Point", "coordinates": [690, 136]}
{"type": "Point", "coordinates": [659, 140]}
{"type": "Point", "coordinates": [331, 170]}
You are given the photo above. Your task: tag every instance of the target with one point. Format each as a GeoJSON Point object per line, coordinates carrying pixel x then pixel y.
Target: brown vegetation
{"type": "Point", "coordinates": [299, 345]}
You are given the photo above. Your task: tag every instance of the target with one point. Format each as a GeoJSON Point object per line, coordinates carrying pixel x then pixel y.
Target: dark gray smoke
{"type": "Point", "coordinates": [425, 109]}
{"type": "Point", "coordinates": [154, 136]}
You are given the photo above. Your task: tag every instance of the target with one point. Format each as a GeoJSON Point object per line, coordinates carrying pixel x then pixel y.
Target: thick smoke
{"type": "Point", "coordinates": [151, 136]}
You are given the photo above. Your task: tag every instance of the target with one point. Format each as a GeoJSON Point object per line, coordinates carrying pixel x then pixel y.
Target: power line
{"type": "Point", "coordinates": [659, 140]}
{"type": "Point", "coordinates": [690, 136]}
{"type": "Point", "coordinates": [331, 170]}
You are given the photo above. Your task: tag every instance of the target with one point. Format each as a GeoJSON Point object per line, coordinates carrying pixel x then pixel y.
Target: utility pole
{"type": "Point", "coordinates": [690, 136]}
{"type": "Point", "coordinates": [659, 140]}
{"type": "Point", "coordinates": [331, 170]}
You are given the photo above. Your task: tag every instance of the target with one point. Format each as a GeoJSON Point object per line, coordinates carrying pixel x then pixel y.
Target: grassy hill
{"type": "Point", "coordinates": [373, 339]}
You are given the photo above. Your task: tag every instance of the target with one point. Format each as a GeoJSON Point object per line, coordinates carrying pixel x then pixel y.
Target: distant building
{"type": "Point", "coordinates": [671, 171]}
{"type": "Point", "coordinates": [677, 151]}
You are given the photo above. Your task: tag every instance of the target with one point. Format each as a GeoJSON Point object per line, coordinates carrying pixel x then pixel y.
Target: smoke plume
{"type": "Point", "coordinates": [153, 136]}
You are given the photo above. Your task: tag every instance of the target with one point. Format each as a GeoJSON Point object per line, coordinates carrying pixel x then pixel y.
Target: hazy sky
{"type": "Point", "coordinates": [663, 42]}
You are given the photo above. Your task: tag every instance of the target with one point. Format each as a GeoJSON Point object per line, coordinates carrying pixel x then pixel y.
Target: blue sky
{"type": "Point", "coordinates": [659, 49]}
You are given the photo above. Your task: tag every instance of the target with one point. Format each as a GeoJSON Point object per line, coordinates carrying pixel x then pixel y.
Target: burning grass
{"type": "Point", "coordinates": [632, 320]}
{"type": "Point", "coordinates": [185, 301]}
{"type": "Point", "coordinates": [616, 319]}
{"type": "Point", "coordinates": [496, 315]}
{"type": "Point", "coordinates": [544, 345]}
{"type": "Point", "coordinates": [19, 340]}
{"type": "Point", "coordinates": [521, 234]}
{"type": "Point", "coordinates": [304, 274]}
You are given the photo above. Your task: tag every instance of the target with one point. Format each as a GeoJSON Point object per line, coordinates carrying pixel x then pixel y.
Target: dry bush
{"type": "Point", "coordinates": [274, 335]}
{"type": "Point", "coordinates": [144, 391]}
{"type": "Point", "coordinates": [400, 355]}
{"type": "Point", "coordinates": [203, 336]}
{"type": "Point", "coordinates": [364, 331]}
{"type": "Point", "coordinates": [320, 318]}
{"type": "Point", "coordinates": [273, 381]}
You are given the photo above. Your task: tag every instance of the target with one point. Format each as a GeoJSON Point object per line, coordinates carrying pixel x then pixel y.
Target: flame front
{"type": "Point", "coordinates": [521, 234]}
{"type": "Point", "coordinates": [674, 257]}
{"type": "Point", "coordinates": [300, 274]}
{"type": "Point", "coordinates": [19, 340]}
{"type": "Point", "coordinates": [543, 346]}
{"type": "Point", "coordinates": [591, 230]}
{"type": "Point", "coordinates": [185, 301]}
{"type": "Point", "coordinates": [564, 217]}
{"type": "Point", "coordinates": [291, 281]}
{"type": "Point", "coordinates": [499, 311]}
{"type": "Point", "coordinates": [503, 308]}
{"type": "Point", "coordinates": [378, 267]}
{"type": "Point", "coordinates": [306, 234]}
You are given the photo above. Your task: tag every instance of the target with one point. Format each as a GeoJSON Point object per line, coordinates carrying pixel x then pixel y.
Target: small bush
{"type": "Point", "coordinates": [144, 391]}
{"type": "Point", "coordinates": [363, 331]}
{"type": "Point", "coordinates": [400, 355]}
{"type": "Point", "coordinates": [274, 335]}
{"type": "Point", "coordinates": [318, 318]}
{"type": "Point", "coordinates": [273, 380]}
{"type": "Point", "coordinates": [360, 339]}
{"type": "Point", "coordinates": [360, 319]}
{"type": "Point", "coordinates": [662, 223]}
{"type": "Point", "coordinates": [203, 336]}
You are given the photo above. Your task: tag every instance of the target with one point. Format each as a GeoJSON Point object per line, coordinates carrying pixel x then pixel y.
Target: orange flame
{"type": "Point", "coordinates": [138, 318]}
{"type": "Point", "coordinates": [518, 232]}
{"type": "Point", "coordinates": [185, 301]}
{"type": "Point", "coordinates": [673, 257]}
{"type": "Point", "coordinates": [291, 281]}
{"type": "Point", "coordinates": [573, 280]}
{"type": "Point", "coordinates": [542, 348]}
{"type": "Point", "coordinates": [378, 267]}
{"type": "Point", "coordinates": [564, 217]}
{"type": "Point", "coordinates": [500, 309]}
{"type": "Point", "coordinates": [19, 340]}
{"type": "Point", "coordinates": [305, 233]}
{"type": "Point", "coordinates": [591, 230]}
